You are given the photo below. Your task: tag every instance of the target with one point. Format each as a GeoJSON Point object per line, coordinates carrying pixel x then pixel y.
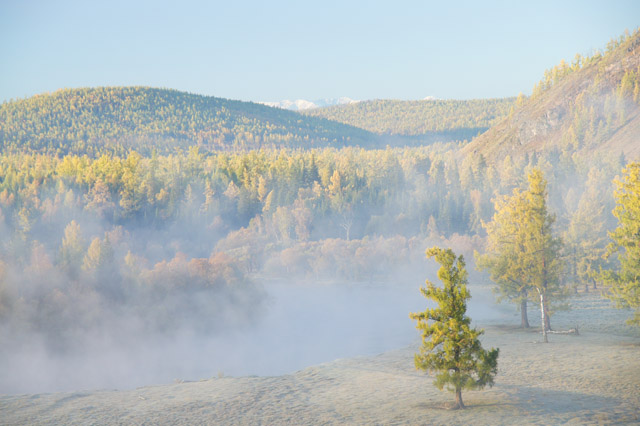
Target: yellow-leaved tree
{"type": "Point", "coordinates": [522, 255]}
{"type": "Point", "coordinates": [624, 284]}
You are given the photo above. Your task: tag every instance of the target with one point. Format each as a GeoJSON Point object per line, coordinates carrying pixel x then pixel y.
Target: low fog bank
{"type": "Point", "coordinates": [301, 324]}
{"type": "Point", "coordinates": [124, 272]}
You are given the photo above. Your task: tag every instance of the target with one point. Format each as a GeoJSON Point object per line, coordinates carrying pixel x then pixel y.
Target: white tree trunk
{"type": "Point", "coordinates": [542, 309]}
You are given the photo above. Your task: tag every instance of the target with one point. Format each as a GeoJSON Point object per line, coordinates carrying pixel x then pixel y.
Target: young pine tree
{"type": "Point", "coordinates": [450, 347]}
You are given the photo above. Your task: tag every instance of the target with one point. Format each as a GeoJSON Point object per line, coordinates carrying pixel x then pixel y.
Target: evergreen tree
{"type": "Point", "coordinates": [585, 237]}
{"type": "Point", "coordinates": [503, 256]}
{"type": "Point", "coordinates": [624, 284]}
{"type": "Point", "coordinates": [541, 249]}
{"type": "Point", "coordinates": [522, 254]}
{"type": "Point", "coordinates": [99, 255]}
{"type": "Point", "coordinates": [450, 347]}
{"type": "Point", "coordinates": [72, 249]}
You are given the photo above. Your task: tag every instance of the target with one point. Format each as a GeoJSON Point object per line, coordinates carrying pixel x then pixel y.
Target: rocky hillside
{"type": "Point", "coordinates": [586, 106]}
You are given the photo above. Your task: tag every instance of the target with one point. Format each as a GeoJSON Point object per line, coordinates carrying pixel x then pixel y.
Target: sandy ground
{"type": "Point", "coordinates": [593, 379]}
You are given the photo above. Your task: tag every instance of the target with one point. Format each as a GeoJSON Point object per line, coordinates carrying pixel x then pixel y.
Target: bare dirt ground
{"type": "Point", "coordinates": [592, 379]}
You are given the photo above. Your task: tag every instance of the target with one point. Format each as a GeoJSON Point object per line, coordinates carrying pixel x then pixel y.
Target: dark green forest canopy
{"type": "Point", "coordinates": [118, 119]}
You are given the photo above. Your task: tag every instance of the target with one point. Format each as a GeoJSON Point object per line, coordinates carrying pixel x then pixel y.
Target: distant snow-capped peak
{"type": "Point", "coordinates": [302, 104]}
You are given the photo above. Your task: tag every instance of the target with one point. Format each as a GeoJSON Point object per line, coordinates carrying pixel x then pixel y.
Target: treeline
{"type": "Point", "coordinates": [116, 120]}
{"type": "Point", "coordinates": [557, 73]}
{"type": "Point", "coordinates": [119, 119]}
{"type": "Point", "coordinates": [287, 196]}
{"type": "Point", "coordinates": [457, 119]}
{"type": "Point", "coordinates": [88, 236]}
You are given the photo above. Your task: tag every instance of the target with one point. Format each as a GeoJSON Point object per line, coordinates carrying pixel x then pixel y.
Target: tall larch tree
{"type": "Point", "coordinates": [624, 284]}
{"type": "Point", "coordinates": [586, 238]}
{"type": "Point", "coordinates": [504, 253]}
{"type": "Point", "coordinates": [543, 263]}
{"type": "Point", "coordinates": [522, 255]}
{"type": "Point", "coordinates": [450, 347]}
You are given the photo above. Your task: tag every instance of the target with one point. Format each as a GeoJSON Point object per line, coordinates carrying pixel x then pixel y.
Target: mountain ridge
{"type": "Point", "coordinates": [119, 119]}
{"type": "Point", "coordinates": [589, 106]}
{"type": "Point", "coordinates": [146, 119]}
{"type": "Point", "coordinates": [303, 104]}
{"type": "Point", "coordinates": [420, 117]}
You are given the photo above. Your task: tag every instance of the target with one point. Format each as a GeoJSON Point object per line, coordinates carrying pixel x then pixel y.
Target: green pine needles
{"type": "Point", "coordinates": [450, 347]}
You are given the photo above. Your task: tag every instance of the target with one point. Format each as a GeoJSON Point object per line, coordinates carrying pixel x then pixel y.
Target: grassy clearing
{"type": "Point", "coordinates": [591, 379]}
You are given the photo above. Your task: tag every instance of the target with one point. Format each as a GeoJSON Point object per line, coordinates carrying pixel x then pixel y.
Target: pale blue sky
{"type": "Point", "coordinates": [273, 50]}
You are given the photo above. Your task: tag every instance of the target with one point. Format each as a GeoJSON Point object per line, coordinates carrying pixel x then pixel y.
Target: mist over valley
{"type": "Point", "coordinates": [151, 238]}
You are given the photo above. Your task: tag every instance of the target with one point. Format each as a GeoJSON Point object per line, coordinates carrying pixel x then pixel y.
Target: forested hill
{"type": "Point", "coordinates": [117, 119]}
{"type": "Point", "coordinates": [588, 106]}
{"type": "Point", "coordinates": [456, 119]}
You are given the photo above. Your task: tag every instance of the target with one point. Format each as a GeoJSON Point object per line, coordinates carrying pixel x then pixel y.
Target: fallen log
{"type": "Point", "coordinates": [570, 331]}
